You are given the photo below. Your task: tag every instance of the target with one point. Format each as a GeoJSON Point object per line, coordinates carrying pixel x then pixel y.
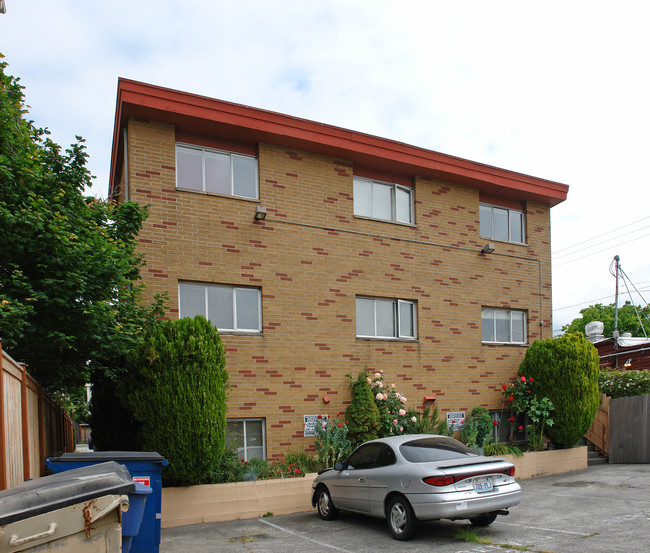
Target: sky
{"type": "Point", "coordinates": [556, 90]}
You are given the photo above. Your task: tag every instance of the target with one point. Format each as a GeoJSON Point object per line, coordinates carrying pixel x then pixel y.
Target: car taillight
{"type": "Point", "coordinates": [452, 479]}
{"type": "Point", "coordinates": [439, 480]}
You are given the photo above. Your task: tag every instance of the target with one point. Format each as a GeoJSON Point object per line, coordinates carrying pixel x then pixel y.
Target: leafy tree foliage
{"type": "Point", "coordinates": [627, 319]}
{"type": "Point", "coordinates": [177, 393]}
{"type": "Point", "coordinates": [565, 370]}
{"type": "Point", "coordinates": [362, 414]}
{"type": "Point", "coordinates": [68, 265]}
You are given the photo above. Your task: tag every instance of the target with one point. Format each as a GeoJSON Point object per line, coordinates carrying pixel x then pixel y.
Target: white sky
{"type": "Point", "coordinates": [558, 90]}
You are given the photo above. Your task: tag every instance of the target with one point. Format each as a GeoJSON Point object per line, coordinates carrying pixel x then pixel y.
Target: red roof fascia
{"type": "Point", "coordinates": [247, 124]}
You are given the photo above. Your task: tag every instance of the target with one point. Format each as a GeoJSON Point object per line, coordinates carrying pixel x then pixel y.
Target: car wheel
{"type": "Point", "coordinates": [326, 509]}
{"type": "Point", "coordinates": [483, 520]}
{"type": "Point", "coordinates": [401, 518]}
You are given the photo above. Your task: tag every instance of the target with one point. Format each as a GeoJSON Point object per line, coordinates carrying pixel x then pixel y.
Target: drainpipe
{"type": "Point", "coordinates": [126, 165]}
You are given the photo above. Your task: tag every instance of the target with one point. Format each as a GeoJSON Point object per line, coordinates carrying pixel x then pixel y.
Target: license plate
{"type": "Point", "coordinates": [483, 485]}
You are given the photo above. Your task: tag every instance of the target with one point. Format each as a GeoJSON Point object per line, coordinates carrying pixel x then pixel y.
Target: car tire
{"type": "Point", "coordinates": [324, 505]}
{"type": "Point", "coordinates": [401, 518]}
{"type": "Point", "coordinates": [483, 520]}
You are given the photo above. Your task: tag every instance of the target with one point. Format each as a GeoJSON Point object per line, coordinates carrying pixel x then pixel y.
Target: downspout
{"type": "Point", "coordinates": [126, 164]}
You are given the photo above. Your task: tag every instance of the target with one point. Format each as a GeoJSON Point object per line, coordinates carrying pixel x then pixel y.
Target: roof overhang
{"type": "Point", "coordinates": [206, 116]}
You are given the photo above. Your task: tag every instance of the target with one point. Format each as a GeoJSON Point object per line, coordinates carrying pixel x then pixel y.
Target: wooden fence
{"type": "Point", "coordinates": [598, 434]}
{"type": "Point", "coordinates": [32, 426]}
{"type": "Point", "coordinates": [629, 419]}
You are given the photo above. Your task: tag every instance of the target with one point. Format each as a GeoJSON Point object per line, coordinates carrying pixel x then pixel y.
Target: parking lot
{"type": "Point", "coordinates": [605, 508]}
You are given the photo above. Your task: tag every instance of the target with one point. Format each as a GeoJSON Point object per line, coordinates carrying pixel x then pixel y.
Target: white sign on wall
{"type": "Point", "coordinates": [455, 419]}
{"type": "Point", "coordinates": [310, 424]}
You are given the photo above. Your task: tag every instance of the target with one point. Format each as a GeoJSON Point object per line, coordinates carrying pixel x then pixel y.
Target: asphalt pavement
{"type": "Point", "coordinates": [603, 509]}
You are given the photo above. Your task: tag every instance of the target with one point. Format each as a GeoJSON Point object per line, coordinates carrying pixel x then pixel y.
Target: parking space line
{"type": "Point", "coordinates": [544, 529]}
{"type": "Point", "coordinates": [286, 530]}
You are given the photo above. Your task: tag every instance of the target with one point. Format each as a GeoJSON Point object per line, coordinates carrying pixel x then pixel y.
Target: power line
{"type": "Point", "coordinates": [600, 235]}
{"type": "Point", "coordinates": [599, 251]}
{"type": "Point", "coordinates": [609, 240]}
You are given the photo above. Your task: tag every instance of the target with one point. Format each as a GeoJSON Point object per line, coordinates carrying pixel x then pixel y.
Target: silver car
{"type": "Point", "coordinates": [417, 477]}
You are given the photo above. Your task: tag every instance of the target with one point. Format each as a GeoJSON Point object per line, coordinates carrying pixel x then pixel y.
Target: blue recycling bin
{"type": "Point", "coordinates": [145, 468]}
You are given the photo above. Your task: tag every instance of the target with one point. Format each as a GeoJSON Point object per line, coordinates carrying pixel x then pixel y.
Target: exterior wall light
{"type": "Point", "coordinates": [260, 213]}
{"type": "Point", "coordinates": [488, 248]}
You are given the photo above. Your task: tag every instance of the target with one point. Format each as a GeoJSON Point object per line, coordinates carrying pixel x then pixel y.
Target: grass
{"type": "Point", "coordinates": [471, 535]}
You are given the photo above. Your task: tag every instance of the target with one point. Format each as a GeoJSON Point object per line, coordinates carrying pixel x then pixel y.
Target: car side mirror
{"type": "Point", "coordinates": [338, 466]}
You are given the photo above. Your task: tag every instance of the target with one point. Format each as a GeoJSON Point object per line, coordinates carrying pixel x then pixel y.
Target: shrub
{"type": "Point", "coordinates": [228, 468]}
{"type": "Point", "coordinates": [480, 416]}
{"type": "Point", "coordinates": [624, 383]}
{"type": "Point", "coordinates": [111, 420]}
{"type": "Point", "coordinates": [431, 423]}
{"type": "Point", "coordinates": [394, 419]}
{"type": "Point", "coordinates": [565, 370]}
{"type": "Point", "coordinates": [332, 442]}
{"type": "Point", "coordinates": [179, 395]}
{"type": "Point", "coordinates": [362, 414]}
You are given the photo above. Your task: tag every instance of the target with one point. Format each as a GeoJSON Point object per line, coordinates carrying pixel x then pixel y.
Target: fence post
{"type": "Point", "coordinates": [25, 423]}
{"type": "Point", "coordinates": [3, 452]}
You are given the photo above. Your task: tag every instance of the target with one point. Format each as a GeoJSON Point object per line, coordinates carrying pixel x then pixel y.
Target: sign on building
{"type": "Point", "coordinates": [310, 424]}
{"type": "Point", "coordinates": [455, 419]}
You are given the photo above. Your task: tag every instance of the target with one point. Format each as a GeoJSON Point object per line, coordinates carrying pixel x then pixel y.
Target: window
{"type": "Point", "coordinates": [503, 326]}
{"type": "Point", "coordinates": [248, 436]}
{"type": "Point", "coordinates": [380, 200]}
{"type": "Point", "coordinates": [229, 308]}
{"type": "Point", "coordinates": [386, 318]}
{"type": "Point", "coordinates": [216, 171]}
{"type": "Point", "coordinates": [371, 456]}
{"type": "Point", "coordinates": [501, 223]}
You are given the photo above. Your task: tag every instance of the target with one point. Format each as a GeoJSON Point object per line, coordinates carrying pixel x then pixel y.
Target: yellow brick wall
{"type": "Point", "coordinates": [311, 257]}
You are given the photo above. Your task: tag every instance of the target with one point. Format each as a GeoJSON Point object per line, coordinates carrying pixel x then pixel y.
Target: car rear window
{"type": "Point", "coordinates": [426, 450]}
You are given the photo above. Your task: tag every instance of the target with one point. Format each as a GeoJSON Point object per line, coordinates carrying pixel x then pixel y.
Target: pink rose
{"type": "Point", "coordinates": [395, 422]}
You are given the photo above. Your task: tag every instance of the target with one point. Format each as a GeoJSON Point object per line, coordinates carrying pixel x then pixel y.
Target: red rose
{"type": "Point", "coordinates": [495, 422]}
{"type": "Point", "coordinates": [521, 428]}
{"type": "Point", "coordinates": [511, 419]}
{"type": "Point", "coordinates": [320, 416]}
{"type": "Point", "coordinates": [530, 379]}
{"type": "Point", "coordinates": [339, 425]}
{"type": "Point", "coordinates": [511, 398]}
{"type": "Point", "coordinates": [505, 386]}
{"type": "Point", "coordinates": [523, 379]}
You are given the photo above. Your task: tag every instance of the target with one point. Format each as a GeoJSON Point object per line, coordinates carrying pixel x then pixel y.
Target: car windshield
{"type": "Point", "coordinates": [426, 450]}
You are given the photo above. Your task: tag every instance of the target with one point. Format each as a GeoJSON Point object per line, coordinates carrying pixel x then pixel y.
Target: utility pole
{"type": "Point", "coordinates": [615, 333]}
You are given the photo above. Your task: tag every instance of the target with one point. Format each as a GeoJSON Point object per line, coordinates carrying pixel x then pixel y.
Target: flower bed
{"type": "Point", "coordinates": [219, 502]}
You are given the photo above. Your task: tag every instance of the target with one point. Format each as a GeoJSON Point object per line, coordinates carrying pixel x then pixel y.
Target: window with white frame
{"type": "Point", "coordinates": [229, 308]}
{"type": "Point", "coordinates": [386, 318]}
{"type": "Point", "coordinates": [216, 171]}
{"type": "Point", "coordinates": [503, 326]}
{"type": "Point", "coordinates": [502, 223]}
{"type": "Point", "coordinates": [248, 437]}
{"type": "Point", "coordinates": [381, 200]}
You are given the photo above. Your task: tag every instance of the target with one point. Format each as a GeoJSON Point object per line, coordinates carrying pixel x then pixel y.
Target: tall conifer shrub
{"type": "Point", "coordinates": [362, 415]}
{"type": "Point", "coordinates": [565, 369]}
{"type": "Point", "coordinates": [179, 396]}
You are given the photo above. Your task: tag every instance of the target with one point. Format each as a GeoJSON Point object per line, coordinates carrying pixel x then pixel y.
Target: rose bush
{"type": "Point", "coordinates": [394, 419]}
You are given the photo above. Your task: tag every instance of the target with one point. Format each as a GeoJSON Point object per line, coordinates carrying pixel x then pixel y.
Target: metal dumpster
{"type": "Point", "coordinates": [146, 468]}
{"type": "Point", "coordinates": [80, 510]}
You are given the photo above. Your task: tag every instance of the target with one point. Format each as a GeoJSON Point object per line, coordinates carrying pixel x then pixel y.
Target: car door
{"type": "Point", "coordinates": [350, 488]}
{"type": "Point", "coordinates": [382, 477]}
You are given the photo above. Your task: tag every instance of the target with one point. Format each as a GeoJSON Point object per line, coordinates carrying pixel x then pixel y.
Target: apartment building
{"type": "Point", "coordinates": [318, 251]}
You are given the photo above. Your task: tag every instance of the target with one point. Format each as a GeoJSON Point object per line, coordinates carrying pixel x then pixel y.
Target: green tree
{"type": "Point", "coordinates": [565, 370]}
{"type": "Point", "coordinates": [362, 414]}
{"type": "Point", "coordinates": [177, 393]}
{"type": "Point", "coordinates": [69, 299]}
{"type": "Point", "coordinates": [627, 319]}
